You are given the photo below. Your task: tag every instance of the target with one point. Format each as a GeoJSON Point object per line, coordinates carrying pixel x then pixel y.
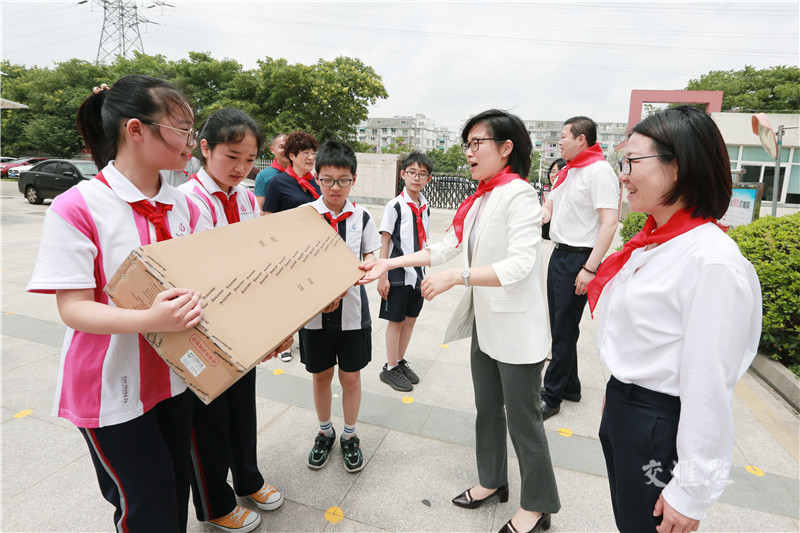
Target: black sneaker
{"type": "Point", "coordinates": [321, 450]}
{"type": "Point", "coordinates": [412, 376]}
{"type": "Point", "coordinates": [396, 379]}
{"type": "Point", "coordinates": [353, 459]}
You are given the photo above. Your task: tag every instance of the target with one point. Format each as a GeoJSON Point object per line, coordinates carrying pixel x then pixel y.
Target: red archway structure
{"type": "Point", "coordinates": [712, 100]}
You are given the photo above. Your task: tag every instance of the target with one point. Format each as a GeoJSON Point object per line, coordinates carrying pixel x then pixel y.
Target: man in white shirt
{"type": "Point", "coordinates": [582, 211]}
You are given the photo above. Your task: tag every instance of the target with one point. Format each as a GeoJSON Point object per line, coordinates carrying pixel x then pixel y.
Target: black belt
{"type": "Point", "coordinates": [568, 248]}
{"type": "Point", "coordinates": [641, 394]}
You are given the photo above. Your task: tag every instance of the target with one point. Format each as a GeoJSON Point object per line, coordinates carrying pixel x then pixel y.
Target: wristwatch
{"type": "Point", "coordinates": [465, 275]}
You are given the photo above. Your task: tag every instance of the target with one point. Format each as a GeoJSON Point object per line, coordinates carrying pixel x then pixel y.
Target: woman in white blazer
{"type": "Point", "coordinates": [503, 311]}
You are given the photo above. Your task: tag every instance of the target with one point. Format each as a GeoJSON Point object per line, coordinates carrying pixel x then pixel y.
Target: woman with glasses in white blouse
{"type": "Point", "coordinates": [679, 324]}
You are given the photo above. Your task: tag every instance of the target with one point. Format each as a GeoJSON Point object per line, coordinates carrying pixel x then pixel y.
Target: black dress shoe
{"type": "Point", "coordinates": [466, 500]}
{"type": "Point", "coordinates": [548, 411]}
{"type": "Point", "coordinates": [570, 397]}
{"type": "Point", "coordinates": [544, 522]}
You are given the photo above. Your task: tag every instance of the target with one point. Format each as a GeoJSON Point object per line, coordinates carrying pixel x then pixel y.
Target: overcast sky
{"type": "Point", "coordinates": [541, 60]}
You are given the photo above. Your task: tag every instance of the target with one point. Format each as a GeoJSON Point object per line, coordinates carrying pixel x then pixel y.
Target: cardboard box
{"type": "Point", "coordinates": [261, 281]}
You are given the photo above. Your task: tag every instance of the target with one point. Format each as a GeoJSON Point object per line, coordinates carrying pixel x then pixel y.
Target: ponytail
{"type": "Point", "coordinates": [135, 96]}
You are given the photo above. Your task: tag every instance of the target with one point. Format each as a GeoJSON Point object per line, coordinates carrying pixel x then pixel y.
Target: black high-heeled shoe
{"type": "Point", "coordinates": [544, 522]}
{"type": "Point", "coordinates": [466, 500]}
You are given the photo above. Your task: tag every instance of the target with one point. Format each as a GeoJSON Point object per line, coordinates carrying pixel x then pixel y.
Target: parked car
{"type": "Point", "coordinates": [50, 178]}
{"type": "Point", "coordinates": [13, 172]}
{"type": "Point", "coordinates": [6, 159]}
{"type": "Point", "coordinates": [18, 162]}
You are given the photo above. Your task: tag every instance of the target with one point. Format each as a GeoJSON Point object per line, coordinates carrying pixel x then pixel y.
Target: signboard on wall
{"type": "Point", "coordinates": [745, 204]}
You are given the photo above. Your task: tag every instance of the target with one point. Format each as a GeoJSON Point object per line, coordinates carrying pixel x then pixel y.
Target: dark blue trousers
{"type": "Point", "coordinates": [143, 467]}
{"type": "Point", "coordinates": [566, 310]}
{"type": "Point", "coordinates": [224, 438]}
{"type": "Point", "coordinates": [638, 433]}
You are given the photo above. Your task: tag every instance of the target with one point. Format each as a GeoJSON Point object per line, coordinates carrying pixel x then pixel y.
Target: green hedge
{"type": "Point", "coordinates": [772, 245]}
{"type": "Point", "coordinates": [632, 225]}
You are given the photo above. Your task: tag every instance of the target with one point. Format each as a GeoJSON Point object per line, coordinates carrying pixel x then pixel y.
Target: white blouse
{"type": "Point", "coordinates": [684, 319]}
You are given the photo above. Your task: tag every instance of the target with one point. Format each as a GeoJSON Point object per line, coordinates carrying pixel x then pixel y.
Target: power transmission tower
{"type": "Point", "coordinates": [121, 19]}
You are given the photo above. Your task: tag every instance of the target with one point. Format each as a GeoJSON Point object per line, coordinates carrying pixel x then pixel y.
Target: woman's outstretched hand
{"type": "Point", "coordinates": [373, 271]}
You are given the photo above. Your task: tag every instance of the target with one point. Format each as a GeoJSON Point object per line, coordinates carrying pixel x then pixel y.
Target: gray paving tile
{"type": "Point", "coordinates": [31, 386]}
{"type": "Point", "coordinates": [17, 352]}
{"type": "Point", "coordinates": [34, 329]}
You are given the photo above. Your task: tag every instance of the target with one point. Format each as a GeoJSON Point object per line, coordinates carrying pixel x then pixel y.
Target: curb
{"type": "Point", "coordinates": [781, 379]}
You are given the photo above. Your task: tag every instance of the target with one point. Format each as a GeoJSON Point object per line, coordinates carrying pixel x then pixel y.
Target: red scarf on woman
{"type": "Point", "coordinates": [593, 154]}
{"type": "Point", "coordinates": [678, 224]}
{"type": "Point", "coordinates": [304, 182]}
{"type": "Point", "coordinates": [501, 178]}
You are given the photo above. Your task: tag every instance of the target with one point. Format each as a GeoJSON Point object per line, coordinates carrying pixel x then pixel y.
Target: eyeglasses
{"type": "Point", "coordinates": [475, 144]}
{"type": "Point", "coordinates": [624, 164]}
{"type": "Point", "coordinates": [412, 174]}
{"type": "Point", "coordinates": [307, 153]}
{"type": "Point", "coordinates": [191, 133]}
{"type": "Point", "coordinates": [341, 182]}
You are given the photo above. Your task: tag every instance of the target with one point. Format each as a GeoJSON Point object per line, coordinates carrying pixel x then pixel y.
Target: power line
{"type": "Point", "coordinates": [121, 20]}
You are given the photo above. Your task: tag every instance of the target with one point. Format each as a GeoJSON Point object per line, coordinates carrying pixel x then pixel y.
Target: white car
{"type": "Point", "coordinates": [14, 171]}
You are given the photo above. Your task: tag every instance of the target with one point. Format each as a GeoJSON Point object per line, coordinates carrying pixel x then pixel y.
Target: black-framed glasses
{"type": "Point", "coordinates": [475, 144]}
{"type": "Point", "coordinates": [341, 182]}
{"type": "Point", "coordinates": [624, 164]}
{"type": "Point", "coordinates": [413, 174]}
{"type": "Point", "coordinates": [191, 133]}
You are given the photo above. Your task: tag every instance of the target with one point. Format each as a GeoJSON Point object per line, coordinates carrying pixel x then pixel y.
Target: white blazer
{"type": "Point", "coordinates": [511, 320]}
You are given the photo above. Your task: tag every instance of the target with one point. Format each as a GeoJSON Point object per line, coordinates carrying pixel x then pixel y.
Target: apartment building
{"type": "Point", "coordinates": [417, 132]}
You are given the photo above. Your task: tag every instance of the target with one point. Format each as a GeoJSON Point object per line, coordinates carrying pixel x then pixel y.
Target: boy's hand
{"type": "Point", "coordinates": [383, 286]}
{"type": "Point", "coordinates": [334, 304]}
{"type": "Point", "coordinates": [176, 310]}
{"type": "Point", "coordinates": [284, 347]}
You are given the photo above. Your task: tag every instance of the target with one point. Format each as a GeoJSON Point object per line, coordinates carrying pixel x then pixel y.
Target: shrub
{"type": "Point", "coordinates": [632, 225]}
{"type": "Point", "coordinates": [772, 245]}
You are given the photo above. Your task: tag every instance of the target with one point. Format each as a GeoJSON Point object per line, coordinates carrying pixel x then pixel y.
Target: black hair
{"type": "Point", "coordinates": [335, 154]}
{"type": "Point", "coordinates": [297, 141]}
{"type": "Point", "coordinates": [505, 126]}
{"type": "Point", "coordinates": [583, 126]}
{"type": "Point", "coordinates": [560, 163]}
{"type": "Point", "coordinates": [689, 137]}
{"type": "Point", "coordinates": [275, 138]}
{"type": "Point", "coordinates": [134, 96]}
{"type": "Point", "coordinates": [226, 126]}
{"type": "Point", "coordinates": [418, 158]}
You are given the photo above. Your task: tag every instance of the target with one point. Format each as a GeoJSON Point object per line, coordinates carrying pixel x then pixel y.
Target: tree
{"type": "Point", "coordinates": [770, 90]}
{"type": "Point", "coordinates": [452, 161]}
{"type": "Point", "coordinates": [398, 146]}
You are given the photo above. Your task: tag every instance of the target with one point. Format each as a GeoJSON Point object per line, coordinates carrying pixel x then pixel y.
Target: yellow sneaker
{"type": "Point", "coordinates": [240, 520]}
{"type": "Point", "coordinates": [268, 498]}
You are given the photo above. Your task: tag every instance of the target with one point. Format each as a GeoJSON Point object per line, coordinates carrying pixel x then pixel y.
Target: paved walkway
{"type": "Point", "coordinates": [419, 447]}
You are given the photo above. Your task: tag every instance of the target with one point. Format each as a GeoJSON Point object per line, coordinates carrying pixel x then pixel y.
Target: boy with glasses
{"type": "Point", "coordinates": [342, 333]}
{"type": "Point", "coordinates": [404, 230]}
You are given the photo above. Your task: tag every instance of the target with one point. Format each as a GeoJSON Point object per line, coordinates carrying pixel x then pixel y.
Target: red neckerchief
{"type": "Point", "coordinates": [678, 224]}
{"type": "Point", "coordinates": [335, 221]}
{"type": "Point", "coordinates": [230, 204]}
{"type": "Point", "coordinates": [423, 239]}
{"type": "Point", "coordinates": [304, 182]}
{"type": "Point", "coordinates": [501, 178]}
{"type": "Point", "coordinates": [277, 165]}
{"type": "Point", "coordinates": [157, 215]}
{"type": "Point", "coordinates": [591, 155]}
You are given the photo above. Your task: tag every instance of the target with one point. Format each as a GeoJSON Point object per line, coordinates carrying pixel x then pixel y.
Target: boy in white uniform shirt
{"type": "Point", "coordinates": [404, 230]}
{"type": "Point", "coordinates": [341, 334]}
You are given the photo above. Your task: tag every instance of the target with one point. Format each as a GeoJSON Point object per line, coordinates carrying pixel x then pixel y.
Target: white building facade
{"type": "Point", "coordinates": [416, 132]}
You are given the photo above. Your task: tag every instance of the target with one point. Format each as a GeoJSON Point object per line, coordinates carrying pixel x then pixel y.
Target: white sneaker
{"type": "Point", "coordinates": [286, 357]}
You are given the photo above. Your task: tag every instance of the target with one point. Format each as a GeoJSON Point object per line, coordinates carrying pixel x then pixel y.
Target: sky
{"type": "Point", "coordinates": [543, 60]}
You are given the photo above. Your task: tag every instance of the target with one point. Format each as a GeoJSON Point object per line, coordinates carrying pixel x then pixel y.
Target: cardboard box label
{"type": "Point", "coordinates": [192, 363]}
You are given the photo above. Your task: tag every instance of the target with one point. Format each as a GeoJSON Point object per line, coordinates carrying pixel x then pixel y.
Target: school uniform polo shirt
{"type": "Point", "coordinates": [201, 188]}
{"type": "Point", "coordinates": [283, 192]}
{"type": "Point", "coordinates": [399, 221]}
{"type": "Point", "coordinates": [359, 232]}
{"type": "Point", "coordinates": [88, 232]}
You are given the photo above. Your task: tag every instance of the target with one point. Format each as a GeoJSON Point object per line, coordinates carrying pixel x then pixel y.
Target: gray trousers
{"type": "Point", "coordinates": [516, 387]}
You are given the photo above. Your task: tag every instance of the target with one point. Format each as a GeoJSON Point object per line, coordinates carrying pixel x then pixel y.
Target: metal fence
{"type": "Point", "coordinates": [445, 191]}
